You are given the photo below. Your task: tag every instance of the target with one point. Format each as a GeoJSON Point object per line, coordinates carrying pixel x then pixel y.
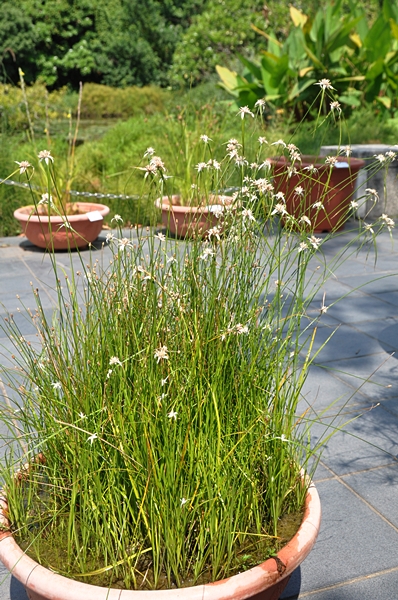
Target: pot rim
{"type": "Point", "coordinates": [242, 585]}
{"type": "Point", "coordinates": [24, 213]}
{"type": "Point", "coordinates": [165, 204]}
{"type": "Point", "coordinates": [318, 161]}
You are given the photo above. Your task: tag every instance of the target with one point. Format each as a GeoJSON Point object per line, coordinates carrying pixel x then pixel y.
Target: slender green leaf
{"type": "Point", "coordinates": [384, 100]}
{"type": "Point", "coordinates": [350, 100]}
{"type": "Point", "coordinates": [266, 79]}
{"type": "Point", "coordinates": [269, 61]}
{"type": "Point", "coordinates": [299, 87]}
{"type": "Point", "coordinates": [388, 10]}
{"type": "Point", "coordinates": [314, 59]}
{"type": "Point", "coordinates": [375, 69]}
{"type": "Point", "coordinates": [254, 68]}
{"type": "Point", "coordinates": [229, 78]}
{"type": "Point", "coordinates": [317, 32]}
{"type": "Point", "coordinates": [394, 28]}
{"type": "Point", "coordinates": [280, 70]}
{"type": "Point", "coordinates": [378, 40]}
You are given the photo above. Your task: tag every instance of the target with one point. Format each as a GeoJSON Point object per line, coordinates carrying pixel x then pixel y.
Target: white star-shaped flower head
{"type": "Point", "coordinates": [325, 84]}
{"type": "Point", "coordinates": [161, 354]}
{"type": "Point", "coordinates": [23, 166]}
{"type": "Point", "coordinates": [243, 111]}
{"type": "Point", "coordinates": [46, 156]}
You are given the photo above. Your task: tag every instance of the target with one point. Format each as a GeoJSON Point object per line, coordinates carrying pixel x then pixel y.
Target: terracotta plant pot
{"type": "Point", "coordinates": [332, 186]}
{"type": "Point", "coordinates": [46, 232]}
{"type": "Point", "coordinates": [190, 221]}
{"type": "Point", "coordinates": [264, 582]}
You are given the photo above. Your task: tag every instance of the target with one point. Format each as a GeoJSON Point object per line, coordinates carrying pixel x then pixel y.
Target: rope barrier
{"type": "Point", "coordinates": [72, 192]}
{"type": "Point", "coordinates": [91, 194]}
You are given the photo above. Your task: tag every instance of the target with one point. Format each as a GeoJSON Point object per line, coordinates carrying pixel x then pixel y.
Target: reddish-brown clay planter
{"type": "Point", "coordinates": [264, 582]}
{"type": "Point", "coordinates": [333, 186]}
{"type": "Point", "coordinates": [191, 221]}
{"type": "Point", "coordinates": [48, 232]}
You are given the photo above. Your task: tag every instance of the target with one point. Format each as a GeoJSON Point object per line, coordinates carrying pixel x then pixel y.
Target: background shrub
{"type": "Point", "coordinates": [100, 101]}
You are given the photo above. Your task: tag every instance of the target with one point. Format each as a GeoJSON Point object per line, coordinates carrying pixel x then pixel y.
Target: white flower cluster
{"type": "Point", "coordinates": [211, 164]}
{"type": "Point", "coordinates": [387, 221]}
{"type": "Point", "coordinates": [237, 329]}
{"type": "Point", "coordinates": [233, 152]}
{"type": "Point", "coordinates": [154, 167]}
{"type": "Point", "coordinates": [386, 158]}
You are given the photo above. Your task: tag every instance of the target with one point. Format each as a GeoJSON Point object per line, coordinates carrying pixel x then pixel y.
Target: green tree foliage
{"type": "Point", "coordinates": [60, 32]}
{"type": "Point", "coordinates": [115, 42]}
{"type": "Point", "coordinates": [16, 40]}
{"type": "Point", "coordinates": [216, 34]}
{"type": "Point", "coordinates": [131, 42]}
{"type": "Point", "coordinates": [138, 48]}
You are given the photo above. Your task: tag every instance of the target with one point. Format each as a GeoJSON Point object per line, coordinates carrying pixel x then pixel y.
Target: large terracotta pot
{"type": "Point", "coordinates": [49, 232]}
{"type": "Point", "coordinates": [333, 186]}
{"type": "Point", "coordinates": [191, 221]}
{"type": "Point", "coordinates": [264, 582]}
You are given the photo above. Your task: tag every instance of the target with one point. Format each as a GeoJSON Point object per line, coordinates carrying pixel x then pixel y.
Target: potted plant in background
{"type": "Point", "coordinates": [317, 188]}
{"type": "Point", "coordinates": [168, 462]}
{"type": "Point", "coordinates": [193, 198]}
{"type": "Point", "coordinates": [54, 221]}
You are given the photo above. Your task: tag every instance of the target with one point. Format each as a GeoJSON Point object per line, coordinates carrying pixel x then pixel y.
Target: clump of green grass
{"type": "Point", "coordinates": [183, 425]}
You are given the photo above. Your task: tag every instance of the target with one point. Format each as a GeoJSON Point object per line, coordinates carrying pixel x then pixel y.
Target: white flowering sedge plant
{"type": "Point", "coordinates": [203, 165]}
{"type": "Point", "coordinates": [51, 191]}
{"type": "Point", "coordinates": [314, 175]}
{"type": "Point", "coordinates": [156, 433]}
{"type": "Point", "coordinates": [320, 190]}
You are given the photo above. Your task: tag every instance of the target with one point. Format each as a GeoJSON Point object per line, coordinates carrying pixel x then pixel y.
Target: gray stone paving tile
{"type": "Point", "coordinates": [22, 320]}
{"type": "Point", "coordinates": [390, 405]}
{"type": "Point", "coordinates": [380, 488]}
{"type": "Point", "coordinates": [353, 542]}
{"type": "Point", "coordinates": [322, 473]}
{"type": "Point", "coordinates": [18, 307]}
{"type": "Point", "coordinates": [353, 265]}
{"type": "Point", "coordinates": [344, 341]}
{"type": "Point", "coordinates": [390, 297]}
{"type": "Point", "coordinates": [368, 441]}
{"type": "Point", "coordinates": [324, 388]}
{"type": "Point", "coordinates": [7, 350]}
{"type": "Point", "coordinates": [387, 282]}
{"type": "Point", "coordinates": [12, 267]}
{"type": "Point", "coordinates": [19, 284]}
{"type": "Point", "coordinates": [386, 259]}
{"type": "Point", "coordinates": [381, 586]}
{"type": "Point", "coordinates": [369, 316]}
{"type": "Point", "coordinates": [23, 323]}
{"type": "Point", "coordinates": [375, 375]}
{"type": "Point", "coordinates": [314, 318]}
{"type": "Point", "coordinates": [347, 305]}
{"type": "Point", "coordinates": [384, 331]}
{"type": "Point", "coordinates": [358, 307]}
{"type": "Point", "coordinates": [10, 588]}
{"type": "Point", "coordinates": [9, 253]}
